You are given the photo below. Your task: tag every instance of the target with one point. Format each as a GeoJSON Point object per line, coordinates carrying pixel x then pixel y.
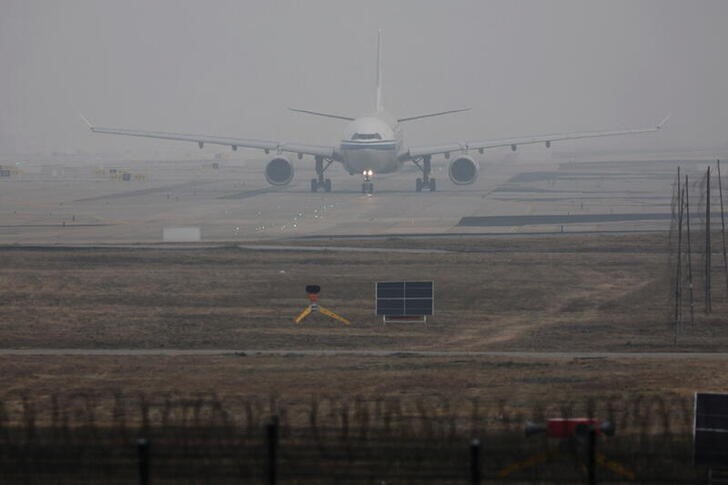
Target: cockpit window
{"type": "Point", "coordinates": [366, 136]}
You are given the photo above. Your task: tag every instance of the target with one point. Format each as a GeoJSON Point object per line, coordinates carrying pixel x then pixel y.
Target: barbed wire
{"type": "Point", "coordinates": [352, 415]}
{"type": "Point", "coordinates": [85, 435]}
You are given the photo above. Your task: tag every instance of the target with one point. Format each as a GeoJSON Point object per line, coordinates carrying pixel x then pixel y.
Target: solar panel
{"type": "Point", "coordinates": [710, 429]}
{"type": "Point", "coordinates": [418, 289]}
{"type": "Point", "coordinates": [404, 298]}
{"type": "Point", "coordinates": [390, 290]}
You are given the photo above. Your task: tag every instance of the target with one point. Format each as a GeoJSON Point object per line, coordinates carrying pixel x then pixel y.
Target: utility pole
{"type": "Point", "coordinates": [722, 224]}
{"type": "Point", "coordinates": [708, 306]}
{"type": "Point", "coordinates": [678, 269]}
{"type": "Point", "coordinates": [690, 253]}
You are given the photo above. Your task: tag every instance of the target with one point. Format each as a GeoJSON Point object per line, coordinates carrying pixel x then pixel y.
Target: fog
{"type": "Point", "coordinates": [232, 68]}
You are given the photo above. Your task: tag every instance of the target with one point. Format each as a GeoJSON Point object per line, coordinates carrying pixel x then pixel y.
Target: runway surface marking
{"type": "Point", "coordinates": [531, 220]}
{"type": "Point", "coordinates": [364, 353]}
{"type": "Point", "coordinates": [246, 194]}
{"type": "Point", "coordinates": [151, 190]}
{"type": "Point", "coordinates": [207, 246]}
{"type": "Point", "coordinates": [343, 249]}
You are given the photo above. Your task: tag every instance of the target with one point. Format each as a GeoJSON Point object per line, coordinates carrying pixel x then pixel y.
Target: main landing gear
{"type": "Point", "coordinates": [320, 182]}
{"type": "Point", "coordinates": [426, 182]}
{"type": "Point", "coordinates": [367, 186]}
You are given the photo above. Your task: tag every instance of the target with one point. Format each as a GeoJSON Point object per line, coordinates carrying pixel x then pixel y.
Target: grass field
{"type": "Point", "coordinates": [606, 293]}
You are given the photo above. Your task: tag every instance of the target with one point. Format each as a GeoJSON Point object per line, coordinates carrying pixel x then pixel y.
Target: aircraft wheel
{"type": "Point", "coordinates": [327, 185]}
{"type": "Point", "coordinates": [364, 188]}
{"type": "Point", "coordinates": [432, 185]}
{"type": "Point", "coordinates": [418, 185]}
{"type": "Point", "coordinates": [370, 189]}
{"type": "Point", "coordinates": [314, 185]}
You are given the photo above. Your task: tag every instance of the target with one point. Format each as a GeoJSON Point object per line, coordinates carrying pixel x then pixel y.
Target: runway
{"type": "Point", "coordinates": [365, 353]}
{"type": "Point", "coordinates": [81, 203]}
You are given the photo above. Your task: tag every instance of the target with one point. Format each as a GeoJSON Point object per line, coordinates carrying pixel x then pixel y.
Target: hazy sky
{"type": "Point", "coordinates": [233, 67]}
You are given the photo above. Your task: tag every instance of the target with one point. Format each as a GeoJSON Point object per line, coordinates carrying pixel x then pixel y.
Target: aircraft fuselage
{"type": "Point", "coordinates": [372, 142]}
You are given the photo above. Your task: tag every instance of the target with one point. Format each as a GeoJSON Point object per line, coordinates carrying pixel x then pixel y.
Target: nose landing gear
{"type": "Point", "coordinates": [367, 186]}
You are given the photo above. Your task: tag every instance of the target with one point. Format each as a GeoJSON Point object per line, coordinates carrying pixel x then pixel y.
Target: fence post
{"type": "Point", "coordinates": [143, 451]}
{"type": "Point", "coordinates": [475, 462]}
{"type": "Point", "coordinates": [272, 441]}
{"type": "Point", "coordinates": [592, 457]}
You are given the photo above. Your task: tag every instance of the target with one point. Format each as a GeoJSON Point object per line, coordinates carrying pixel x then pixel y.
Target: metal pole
{"type": "Point", "coordinates": [708, 306]}
{"type": "Point", "coordinates": [272, 441]}
{"type": "Point", "coordinates": [143, 453]}
{"type": "Point", "coordinates": [722, 224]}
{"type": "Point", "coordinates": [475, 472]}
{"type": "Point", "coordinates": [690, 254]}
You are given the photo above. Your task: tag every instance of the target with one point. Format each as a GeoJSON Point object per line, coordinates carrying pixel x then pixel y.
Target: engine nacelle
{"type": "Point", "coordinates": [463, 170]}
{"type": "Point", "coordinates": [279, 171]}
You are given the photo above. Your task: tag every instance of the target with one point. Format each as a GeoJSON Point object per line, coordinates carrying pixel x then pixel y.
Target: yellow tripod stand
{"type": "Point", "coordinates": [313, 291]}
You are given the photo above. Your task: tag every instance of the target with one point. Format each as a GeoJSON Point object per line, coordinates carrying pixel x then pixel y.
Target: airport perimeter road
{"type": "Point", "coordinates": [366, 353]}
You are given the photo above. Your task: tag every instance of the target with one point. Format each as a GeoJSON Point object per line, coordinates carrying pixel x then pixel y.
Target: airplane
{"type": "Point", "coordinates": [372, 144]}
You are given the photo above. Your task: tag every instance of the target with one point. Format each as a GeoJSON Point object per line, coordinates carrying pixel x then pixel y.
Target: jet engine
{"type": "Point", "coordinates": [463, 170]}
{"type": "Point", "coordinates": [279, 171]}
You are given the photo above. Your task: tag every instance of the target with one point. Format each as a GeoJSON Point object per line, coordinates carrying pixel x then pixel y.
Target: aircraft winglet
{"type": "Point", "coordinates": [85, 120]}
{"type": "Point", "coordinates": [664, 120]}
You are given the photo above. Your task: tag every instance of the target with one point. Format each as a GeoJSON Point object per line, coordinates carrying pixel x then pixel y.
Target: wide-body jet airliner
{"type": "Point", "coordinates": [372, 144]}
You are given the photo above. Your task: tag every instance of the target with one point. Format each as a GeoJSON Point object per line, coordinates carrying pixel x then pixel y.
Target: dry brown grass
{"type": "Point", "coordinates": [585, 293]}
{"type": "Point", "coordinates": [565, 293]}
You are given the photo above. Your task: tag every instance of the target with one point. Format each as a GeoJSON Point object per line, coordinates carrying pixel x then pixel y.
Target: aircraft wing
{"type": "Point", "coordinates": [420, 151]}
{"type": "Point", "coordinates": [234, 143]}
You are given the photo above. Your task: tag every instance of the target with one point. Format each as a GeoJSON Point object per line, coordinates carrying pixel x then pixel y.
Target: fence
{"type": "Point", "coordinates": [84, 437]}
